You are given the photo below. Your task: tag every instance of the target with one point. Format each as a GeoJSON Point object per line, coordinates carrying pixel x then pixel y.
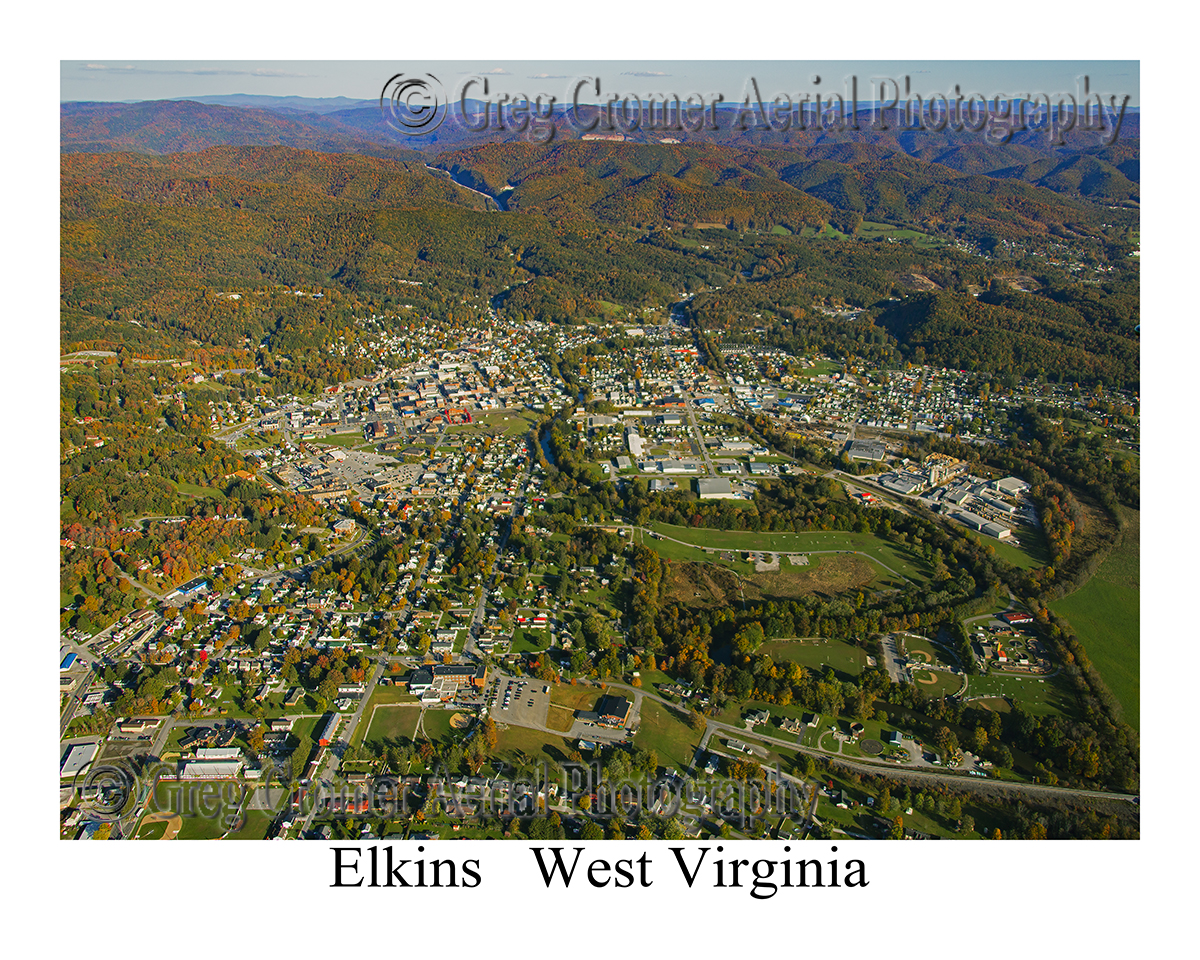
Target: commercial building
{"type": "Point", "coordinates": [610, 712]}
{"type": "Point", "coordinates": [78, 759]}
{"type": "Point", "coordinates": [330, 731]}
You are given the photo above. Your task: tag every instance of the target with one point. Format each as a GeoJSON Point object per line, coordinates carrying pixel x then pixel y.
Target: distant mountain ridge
{"type": "Point", "coordinates": [1083, 166]}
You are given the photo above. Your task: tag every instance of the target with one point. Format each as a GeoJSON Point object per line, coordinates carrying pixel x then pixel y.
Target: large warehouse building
{"type": "Point", "coordinates": [715, 488]}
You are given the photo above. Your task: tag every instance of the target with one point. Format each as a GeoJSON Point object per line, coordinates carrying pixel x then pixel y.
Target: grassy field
{"type": "Point", "coordinates": [206, 808]}
{"type": "Point", "coordinates": [574, 697]}
{"type": "Point", "coordinates": [846, 660]}
{"type": "Point", "coordinates": [528, 641]}
{"type": "Point", "coordinates": [436, 724]}
{"type": "Point", "coordinates": [1028, 556]}
{"type": "Point", "coordinates": [152, 831]}
{"type": "Point", "coordinates": [869, 230]}
{"type": "Point", "coordinates": [341, 439]}
{"type": "Point", "coordinates": [710, 584]}
{"type": "Point", "coordinates": [255, 826]}
{"type": "Point", "coordinates": [936, 683]}
{"type": "Point", "coordinates": [560, 718]}
{"type": "Point", "coordinates": [826, 232]}
{"type": "Point", "coordinates": [1039, 696]}
{"type": "Point", "coordinates": [1105, 616]}
{"type": "Point", "coordinates": [532, 745]}
{"type": "Point", "coordinates": [665, 732]}
{"type": "Point", "coordinates": [392, 721]}
{"type": "Point", "coordinates": [192, 490]}
{"type": "Point", "coordinates": [916, 646]}
{"type": "Point", "coordinates": [508, 423]}
{"type": "Point", "coordinates": [825, 367]}
{"type": "Point", "coordinates": [891, 555]}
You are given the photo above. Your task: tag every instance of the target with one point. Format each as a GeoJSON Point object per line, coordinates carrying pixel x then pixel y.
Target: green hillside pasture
{"type": "Point", "coordinates": [1105, 616]}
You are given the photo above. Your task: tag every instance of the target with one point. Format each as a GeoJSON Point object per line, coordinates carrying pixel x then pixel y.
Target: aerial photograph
{"type": "Point", "coordinates": [567, 450]}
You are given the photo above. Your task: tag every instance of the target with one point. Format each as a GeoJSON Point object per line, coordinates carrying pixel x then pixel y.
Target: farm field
{"type": "Point", "coordinates": [1105, 616]}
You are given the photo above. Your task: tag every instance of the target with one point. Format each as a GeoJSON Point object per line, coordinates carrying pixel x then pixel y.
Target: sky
{"type": "Point", "coordinates": [109, 79]}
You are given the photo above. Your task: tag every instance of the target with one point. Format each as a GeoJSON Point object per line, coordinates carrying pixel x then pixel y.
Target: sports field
{"type": "Point", "coordinates": [391, 722]}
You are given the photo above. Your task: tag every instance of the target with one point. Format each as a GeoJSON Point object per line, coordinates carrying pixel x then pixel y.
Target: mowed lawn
{"type": "Point", "coordinates": [668, 734]}
{"type": "Point", "coordinates": [390, 722]}
{"type": "Point", "coordinates": [817, 655]}
{"type": "Point", "coordinates": [891, 555]}
{"type": "Point", "coordinates": [1105, 616]}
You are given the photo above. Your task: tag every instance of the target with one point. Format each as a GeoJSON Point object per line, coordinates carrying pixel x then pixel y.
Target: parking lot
{"type": "Point", "coordinates": [520, 700]}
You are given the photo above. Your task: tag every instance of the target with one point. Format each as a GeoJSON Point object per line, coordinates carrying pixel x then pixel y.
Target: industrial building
{"type": "Point", "coordinates": [715, 488]}
{"type": "Point", "coordinates": [902, 483]}
{"type": "Point", "coordinates": [634, 440]}
{"type": "Point", "coordinates": [986, 527]}
{"type": "Point", "coordinates": [1011, 486]}
{"type": "Point", "coordinates": [867, 450]}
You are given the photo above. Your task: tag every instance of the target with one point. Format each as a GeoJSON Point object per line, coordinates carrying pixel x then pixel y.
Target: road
{"type": "Point", "coordinates": [86, 653]}
{"type": "Point", "coordinates": [699, 437]}
{"type": "Point", "coordinates": [471, 648]}
{"type": "Point", "coordinates": [884, 768]}
{"type": "Point", "coordinates": [892, 659]}
{"type": "Point", "coordinates": [333, 755]}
